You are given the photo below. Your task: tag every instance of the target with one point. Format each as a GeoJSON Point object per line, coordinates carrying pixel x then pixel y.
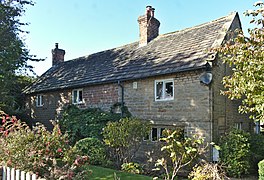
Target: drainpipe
{"type": "Point", "coordinates": [122, 97]}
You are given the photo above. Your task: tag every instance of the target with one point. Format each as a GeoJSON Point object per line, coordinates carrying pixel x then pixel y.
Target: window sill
{"type": "Point", "coordinates": [162, 100]}
{"type": "Point", "coordinates": [79, 103]}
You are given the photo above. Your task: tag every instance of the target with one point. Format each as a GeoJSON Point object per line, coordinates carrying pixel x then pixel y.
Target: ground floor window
{"type": "Point", "coordinates": [238, 125]}
{"type": "Point", "coordinates": [155, 134]}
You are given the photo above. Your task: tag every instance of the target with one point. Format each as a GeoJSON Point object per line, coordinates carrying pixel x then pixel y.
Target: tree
{"type": "Point", "coordinates": [179, 152]}
{"type": "Point", "coordinates": [125, 137]}
{"type": "Point", "coordinates": [246, 57]}
{"type": "Point", "coordinates": [14, 55]}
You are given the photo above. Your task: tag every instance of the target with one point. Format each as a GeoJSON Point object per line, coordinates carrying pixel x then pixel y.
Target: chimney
{"type": "Point", "coordinates": [57, 55]}
{"type": "Point", "coordinates": [148, 27]}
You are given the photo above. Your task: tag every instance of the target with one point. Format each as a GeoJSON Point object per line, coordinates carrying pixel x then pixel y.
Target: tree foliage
{"type": "Point", "coordinates": [14, 55]}
{"type": "Point", "coordinates": [125, 137]}
{"type": "Point", "coordinates": [179, 152]}
{"type": "Point", "coordinates": [38, 150]}
{"type": "Point", "coordinates": [246, 57]}
{"type": "Point", "coordinates": [235, 152]}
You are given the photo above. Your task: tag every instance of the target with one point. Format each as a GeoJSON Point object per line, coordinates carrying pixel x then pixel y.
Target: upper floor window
{"type": "Point", "coordinates": [77, 96]}
{"type": "Point", "coordinates": [39, 100]}
{"type": "Point", "coordinates": [164, 90]}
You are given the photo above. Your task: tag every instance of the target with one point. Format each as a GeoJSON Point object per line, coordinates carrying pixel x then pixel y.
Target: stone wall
{"type": "Point", "coordinates": [100, 96]}
{"type": "Point", "coordinates": [224, 111]}
{"type": "Point", "coordinates": [189, 108]}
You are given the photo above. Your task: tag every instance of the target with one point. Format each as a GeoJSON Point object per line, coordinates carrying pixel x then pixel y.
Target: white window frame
{"type": "Point", "coordinates": [39, 100]}
{"type": "Point", "coordinates": [163, 97]}
{"type": "Point", "coordinates": [78, 96]}
{"type": "Point", "coordinates": [158, 134]}
{"type": "Point", "coordinates": [238, 125]}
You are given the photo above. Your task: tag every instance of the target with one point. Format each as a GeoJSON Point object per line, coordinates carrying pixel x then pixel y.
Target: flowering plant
{"type": "Point", "coordinates": [47, 154]}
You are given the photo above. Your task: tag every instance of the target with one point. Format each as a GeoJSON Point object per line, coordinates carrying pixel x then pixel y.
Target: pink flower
{"type": "Point", "coordinates": [59, 150]}
{"type": "Point", "coordinates": [3, 119]}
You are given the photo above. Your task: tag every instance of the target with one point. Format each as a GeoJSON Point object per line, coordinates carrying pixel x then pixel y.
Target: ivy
{"type": "Point", "coordinates": [83, 123]}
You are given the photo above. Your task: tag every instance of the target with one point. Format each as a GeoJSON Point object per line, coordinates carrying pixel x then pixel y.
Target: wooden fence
{"type": "Point", "coordinates": [7, 173]}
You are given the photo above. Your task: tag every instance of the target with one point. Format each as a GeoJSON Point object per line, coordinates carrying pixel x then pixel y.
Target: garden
{"type": "Point", "coordinates": [92, 144]}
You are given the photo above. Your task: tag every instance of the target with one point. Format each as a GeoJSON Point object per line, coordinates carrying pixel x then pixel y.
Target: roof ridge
{"type": "Point", "coordinates": [229, 16]}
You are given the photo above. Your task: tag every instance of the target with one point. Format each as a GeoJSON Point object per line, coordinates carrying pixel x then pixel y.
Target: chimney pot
{"type": "Point", "coordinates": [148, 10]}
{"type": "Point", "coordinates": [56, 45]}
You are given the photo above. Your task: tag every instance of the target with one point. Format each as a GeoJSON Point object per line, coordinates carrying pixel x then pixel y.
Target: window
{"type": "Point", "coordinates": [39, 100]}
{"type": "Point", "coordinates": [77, 96]}
{"type": "Point", "coordinates": [164, 90]}
{"type": "Point", "coordinates": [155, 134]}
{"type": "Point", "coordinates": [238, 125]}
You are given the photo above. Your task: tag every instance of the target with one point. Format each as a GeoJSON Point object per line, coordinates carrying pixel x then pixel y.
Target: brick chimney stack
{"type": "Point", "coordinates": [148, 27]}
{"type": "Point", "coordinates": [57, 55]}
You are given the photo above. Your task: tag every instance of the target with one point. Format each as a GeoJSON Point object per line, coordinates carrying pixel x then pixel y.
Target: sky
{"type": "Point", "coordinates": [83, 27]}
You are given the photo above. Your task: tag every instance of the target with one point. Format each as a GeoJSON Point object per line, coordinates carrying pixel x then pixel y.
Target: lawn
{"type": "Point", "coordinates": [100, 173]}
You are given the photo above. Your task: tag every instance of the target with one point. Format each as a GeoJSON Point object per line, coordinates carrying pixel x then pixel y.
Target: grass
{"type": "Point", "coordinates": [100, 173]}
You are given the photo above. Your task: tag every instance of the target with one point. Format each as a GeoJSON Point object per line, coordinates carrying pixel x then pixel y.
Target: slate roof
{"type": "Point", "coordinates": [168, 53]}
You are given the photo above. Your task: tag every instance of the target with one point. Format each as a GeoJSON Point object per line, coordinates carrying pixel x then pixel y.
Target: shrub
{"type": "Point", "coordinates": [132, 167]}
{"type": "Point", "coordinates": [207, 171]}
{"type": "Point", "coordinates": [179, 152]}
{"type": "Point", "coordinates": [124, 138]}
{"type": "Point", "coordinates": [82, 123]}
{"type": "Point", "coordinates": [45, 153]}
{"type": "Point", "coordinates": [93, 148]}
{"type": "Point", "coordinates": [235, 152]}
{"type": "Point", "coordinates": [256, 149]}
{"type": "Point", "coordinates": [261, 170]}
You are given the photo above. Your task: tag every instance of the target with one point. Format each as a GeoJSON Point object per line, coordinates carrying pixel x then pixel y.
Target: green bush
{"type": "Point", "coordinates": [235, 152]}
{"type": "Point", "coordinates": [207, 171]}
{"type": "Point", "coordinates": [179, 151]}
{"type": "Point", "coordinates": [93, 148]}
{"type": "Point", "coordinates": [82, 123]}
{"type": "Point", "coordinates": [132, 167]}
{"type": "Point", "coordinates": [261, 170]}
{"type": "Point", "coordinates": [124, 138]}
{"type": "Point", "coordinates": [256, 149]}
{"type": "Point", "coordinates": [47, 154]}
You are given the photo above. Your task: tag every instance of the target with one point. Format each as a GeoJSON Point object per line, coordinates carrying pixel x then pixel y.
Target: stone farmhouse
{"type": "Point", "coordinates": [171, 79]}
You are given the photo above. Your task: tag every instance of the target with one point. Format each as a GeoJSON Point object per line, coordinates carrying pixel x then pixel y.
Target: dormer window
{"type": "Point", "coordinates": [39, 100]}
{"type": "Point", "coordinates": [77, 96]}
{"type": "Point", "coordinates": [164, 90]}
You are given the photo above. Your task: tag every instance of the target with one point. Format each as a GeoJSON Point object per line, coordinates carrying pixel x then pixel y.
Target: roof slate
{"type": "Point", "coordinates": [168, 53]}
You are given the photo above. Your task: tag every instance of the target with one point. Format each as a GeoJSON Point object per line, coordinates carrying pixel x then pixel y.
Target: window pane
{"type": "Point", "coordinates": [159, 90]}
{"type": "Point", "coordinates": [75, 96]}
{"type": "Point", "coordinates": [154, 134]}
{"type": "Point", "coordinates": [80, 96]}
{"type": "Point", "coordinates": [161, 132]}
{"type": "Point", "coordinates": [168, 90]}
{"type": "Point", "coordinates": [146, 138]}
{"type": "Point", "coordinates": [39, 100]}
